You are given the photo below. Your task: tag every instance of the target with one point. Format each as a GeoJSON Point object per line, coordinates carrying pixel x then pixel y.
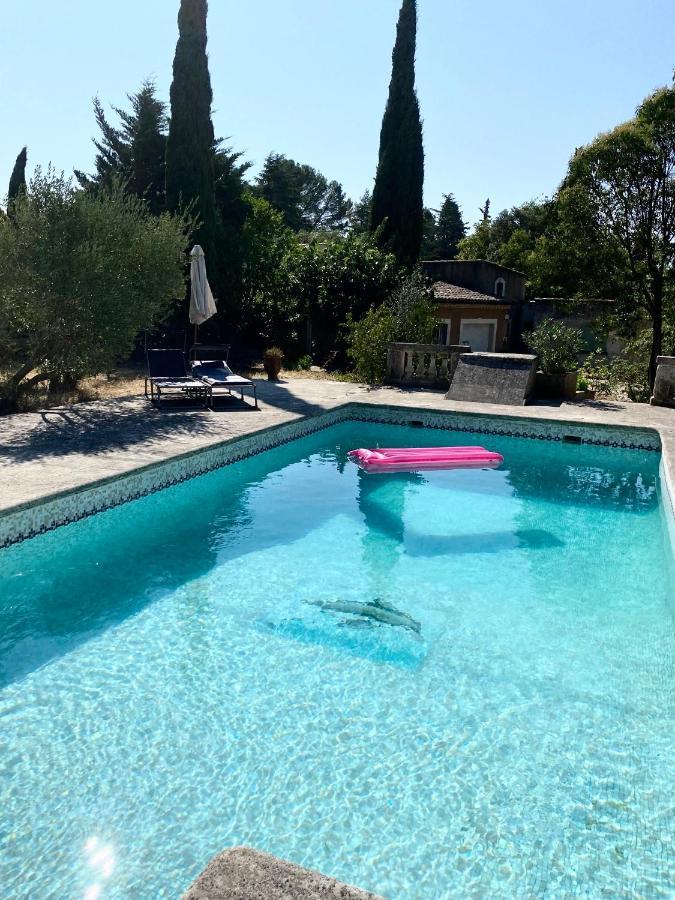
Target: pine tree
{"type": "Point", "coordinates": [190, 176]}
{"type": "Point", "coordinates": [17, 182]}
{"type": "Point", "coordinates": [305, 197]}
{"type": "Point", "coordinates": [360, 214]}
{"type": "Point", "coordinates": [135, 152]}
{"type": "Point", "coordinates": [147, 128]}
{"type": "Point", "coordinates": [450, 229]}
{"type": "Point", "coordinates": [397, 196]}
{"type": "Point", "coordinates": [429, 226]}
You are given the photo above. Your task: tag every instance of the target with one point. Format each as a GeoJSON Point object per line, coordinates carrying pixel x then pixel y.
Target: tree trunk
{"type": "Point", "coordinates": [63, 384]}
{"type": "Point", "coordinates": [657, 334]}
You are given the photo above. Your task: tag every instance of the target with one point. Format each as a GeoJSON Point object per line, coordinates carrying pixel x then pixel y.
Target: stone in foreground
{"type": "Point", "coordinates": [245, 874]}
{"type": "Point", "coordinates": [506, 378]}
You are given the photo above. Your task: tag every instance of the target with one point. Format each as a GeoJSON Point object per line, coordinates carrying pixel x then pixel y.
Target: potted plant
{"type": "Point", "coordinates": [272, 360]}
{"type": "Point", "coordinates": [558, 347]}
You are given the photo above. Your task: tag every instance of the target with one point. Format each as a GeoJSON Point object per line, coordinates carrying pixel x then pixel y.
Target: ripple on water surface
{"type": "Point", "coordinates": [438, 685]}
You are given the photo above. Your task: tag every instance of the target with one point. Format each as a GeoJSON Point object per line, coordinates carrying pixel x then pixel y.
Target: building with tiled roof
{"type": "Point", "coordinates": [479, 303]}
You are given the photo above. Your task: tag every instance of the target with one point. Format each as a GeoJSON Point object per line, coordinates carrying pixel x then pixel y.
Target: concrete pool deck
{"type": "Point", "coordinates": [68, 448]}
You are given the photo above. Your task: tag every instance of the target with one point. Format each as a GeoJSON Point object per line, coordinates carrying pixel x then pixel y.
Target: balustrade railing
{"type": "Point", "coordinates": [423, 365]}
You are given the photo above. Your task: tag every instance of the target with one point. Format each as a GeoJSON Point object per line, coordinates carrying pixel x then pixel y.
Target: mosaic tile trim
{"type": "Point", "coordinates": [625, 437]}
{"type": "Point", "coordinates": [50, 514]}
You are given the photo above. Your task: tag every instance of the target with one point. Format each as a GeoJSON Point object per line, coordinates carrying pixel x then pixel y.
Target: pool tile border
{"type": "Point", "coordinates": [624, 437]}
{"type": "Point", "coordinates": [21, 523]}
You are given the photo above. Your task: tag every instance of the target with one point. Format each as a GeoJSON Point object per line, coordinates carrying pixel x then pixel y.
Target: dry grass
{"type": "Point", "coordinates": [126, 381]}
{"type": "Point", "coordinates": [292, 374]}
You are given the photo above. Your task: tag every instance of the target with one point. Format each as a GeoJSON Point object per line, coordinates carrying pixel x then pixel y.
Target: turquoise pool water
{"type": "Point", "coordinates": [208, 667]}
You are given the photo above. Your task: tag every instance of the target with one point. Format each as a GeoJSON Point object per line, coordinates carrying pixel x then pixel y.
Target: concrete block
{"type": "Point", "coordinates": [246, 874]}
{"type": "Point", "coordinates": [664, 383]}
{"type": "Point", "coordinates": [505, 378]}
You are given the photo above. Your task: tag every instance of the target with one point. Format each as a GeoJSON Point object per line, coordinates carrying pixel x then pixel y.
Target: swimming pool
{"type": "Point", "coordinates": [450, 684]}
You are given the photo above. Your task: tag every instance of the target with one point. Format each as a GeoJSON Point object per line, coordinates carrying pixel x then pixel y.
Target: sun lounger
{"type": "Point", "coordinates": [167, 378]}
{"type": "Point", "coordinates": [218, 376]}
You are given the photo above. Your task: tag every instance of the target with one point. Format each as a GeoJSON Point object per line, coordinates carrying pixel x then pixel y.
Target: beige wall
{"type": "Point", "coordinates": [456, 313]}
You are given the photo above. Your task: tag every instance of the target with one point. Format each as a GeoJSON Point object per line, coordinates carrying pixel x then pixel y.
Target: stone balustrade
{"type": "Point", "coordinates": [423, 365]}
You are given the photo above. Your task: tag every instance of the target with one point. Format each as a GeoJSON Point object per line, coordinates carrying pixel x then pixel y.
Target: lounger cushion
{"type": "Point", "coordinates": [213, 368]}
{"type": "Point", "coordinates": [217, 373]}
{"type": "Point", "coordinates": [225, 381]}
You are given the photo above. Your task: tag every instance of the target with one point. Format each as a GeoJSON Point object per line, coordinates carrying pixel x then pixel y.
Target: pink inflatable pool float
{"type": "Point", "coordinates": [413, 459]}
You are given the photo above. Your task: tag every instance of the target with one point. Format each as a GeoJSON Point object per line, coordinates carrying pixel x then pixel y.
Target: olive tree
{"type": "Point", "coordinates": [80, 276]}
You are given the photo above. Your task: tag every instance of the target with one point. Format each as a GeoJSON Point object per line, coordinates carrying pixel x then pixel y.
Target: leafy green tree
{"type": "Point", "coordinates": [519, 239]}
{"type": "Point", "coordinates": [268, 313]}
{"type": "Point", "coordinates": [570, 258]}
{"type": "Point", "coordinates": [135, 151]}
{"type": "Point", "coordinates": [305, 197]}
{"type": "Point", "coordinates": [397, 206]}
{"type": "Point", "coordinates": [190, 166]}
{"type": "Point", "coordinates": [329, 279]}
{"type": "Point", "coordinates": [315, 284]}
{"type": "Point", "coordinates": [17, 181]}
{"type": "Point", "coordinates": [478, 244]}
{"type": "Point", "coordinates": [80, 275]}
{"type": "Point", "coordinates": [450, 229]}
{"type": "Point", "coordinates": [621, 189]}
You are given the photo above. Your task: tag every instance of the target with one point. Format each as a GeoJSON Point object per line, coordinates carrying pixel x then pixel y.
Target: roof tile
{"type": "Point", "coordinates": [443, 291]}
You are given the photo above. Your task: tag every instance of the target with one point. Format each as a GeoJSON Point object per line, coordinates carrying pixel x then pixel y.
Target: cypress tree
{"type": "Point", "coordinates": [17, 182]}
{"type": "Point", "coordinates": [450, 229]}
{"type": "Point", "coordinates": [398, 206]}
{"type": "Point", "coordinates": [190, 176]}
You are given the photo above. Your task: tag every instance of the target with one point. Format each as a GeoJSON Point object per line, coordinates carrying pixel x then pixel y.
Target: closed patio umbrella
{"type": "Point", "coordinates": [202, 304]}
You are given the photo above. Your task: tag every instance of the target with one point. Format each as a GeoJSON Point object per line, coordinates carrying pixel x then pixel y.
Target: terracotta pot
{"type": "Point", "coordinates": [556, 386]}
{"type": "Point", "coordinates": [272, 367]}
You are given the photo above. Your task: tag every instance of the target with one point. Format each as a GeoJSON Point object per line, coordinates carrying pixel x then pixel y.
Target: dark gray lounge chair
{"type": "Point", "coordinates": [219, 376]}
{"type": "Point", "coordinates": [168, 377]}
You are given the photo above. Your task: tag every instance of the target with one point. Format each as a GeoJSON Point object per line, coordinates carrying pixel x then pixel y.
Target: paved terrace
{"type": "Point", "coordinates": [57, 450]}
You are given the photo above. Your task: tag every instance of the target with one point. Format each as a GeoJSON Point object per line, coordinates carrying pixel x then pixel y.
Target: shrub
{"type": "Point", "coordinates": [621, 377]}
{"type": "Point", "coordinates": [408, 315]}
{"type": "Point", "coordinates": [414, 311]}
{"type": "Point", "coordinates": [303, 364]}
{"type": "Point", "coordinates": [626, 377]}
{"type": "Point", "coordinates": [557, 345]}
{"type": "Point", "coordinates": [367, 343]}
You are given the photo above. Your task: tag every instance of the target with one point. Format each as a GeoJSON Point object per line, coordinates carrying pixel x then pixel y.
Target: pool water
{"type": "Point", "coordinates": [450, 684]}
